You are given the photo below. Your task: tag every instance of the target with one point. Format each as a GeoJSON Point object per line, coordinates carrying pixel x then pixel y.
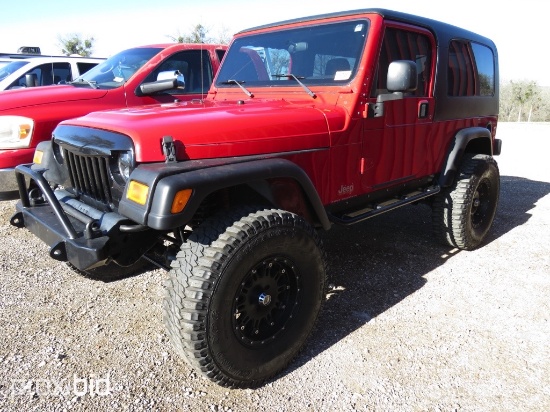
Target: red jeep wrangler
{"type": "Point", "coordinates": [129, 78]}
{"type": "Point", "coordinates": [324, 120]}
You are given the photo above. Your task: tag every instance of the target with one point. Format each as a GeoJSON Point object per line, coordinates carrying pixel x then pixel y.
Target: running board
{"type": "Point", "coordinates": [350, 218]}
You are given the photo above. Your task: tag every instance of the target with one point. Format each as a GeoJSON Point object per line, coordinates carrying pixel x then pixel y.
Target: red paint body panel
{"type": "Point", "coordinates": [18, 156]}
{"type": "Point", "coordinates": [212, 129]}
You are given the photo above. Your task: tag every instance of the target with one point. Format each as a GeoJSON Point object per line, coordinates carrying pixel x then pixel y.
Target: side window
{"type": "Point", "coordinates": [399, 44]}
{"type": "Point", "coordinates": [45, 74]}
{"type": "Point", "coordinates": [471, 69]}
{"type": "Point", "coordinates": [460, 76]}
{"type": "Point", "coordinates": [194, 65]}
{"type": "Point", "coordinates": [485, 68]}
{"type": "Point", "coordinates": [61, 72]}
{"type": "Point", "coordinates": [220, 53]}
{"type": "Point", "coordinates": [33, 76]}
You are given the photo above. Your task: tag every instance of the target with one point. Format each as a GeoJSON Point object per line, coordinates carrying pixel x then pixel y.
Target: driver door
{"type": "Point", "coordinates": [396, 145]}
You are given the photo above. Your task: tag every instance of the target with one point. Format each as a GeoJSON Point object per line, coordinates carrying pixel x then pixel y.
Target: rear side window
{"type": "Point", "coordinates": [399, 44]}
{"type": "Point", "coordinates": [471, 69]}
{"type": "Point", "coordinates": [485, 65]}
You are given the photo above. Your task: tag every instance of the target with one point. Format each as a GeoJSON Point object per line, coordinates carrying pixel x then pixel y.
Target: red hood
{"type": "Point", "coordinates": [35, 96]}
{"type": "Point", "coordinates": [221, 129]}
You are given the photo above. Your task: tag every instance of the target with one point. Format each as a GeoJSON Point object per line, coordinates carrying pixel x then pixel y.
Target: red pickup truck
{"type": "Point", "coordinates": [133, 77]}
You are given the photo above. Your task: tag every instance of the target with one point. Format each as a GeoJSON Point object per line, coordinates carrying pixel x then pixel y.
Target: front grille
{"type": "Point", "coordinates": [90, 175]}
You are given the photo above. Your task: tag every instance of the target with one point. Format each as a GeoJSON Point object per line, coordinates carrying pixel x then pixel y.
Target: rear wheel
{"type": "Point", "coordinates": [244, 293]}
{"type": "Point", "coordinates": [463, 214]}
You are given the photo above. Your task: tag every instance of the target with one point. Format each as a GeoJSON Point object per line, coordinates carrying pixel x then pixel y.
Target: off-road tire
{"type": "Point", "coordinates": [243, 294]}
{"type": "Point", "coordinates": [463, 214]}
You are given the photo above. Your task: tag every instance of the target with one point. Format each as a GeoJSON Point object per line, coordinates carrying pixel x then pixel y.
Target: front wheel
{"type": "Point", "coordinates": [463, 214]}
{"type": "Point", "coordinates": [244, 293]}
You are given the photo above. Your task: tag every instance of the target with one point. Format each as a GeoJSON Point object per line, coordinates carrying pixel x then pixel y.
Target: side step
{"type": "Point", "coordinates": [350, 218]}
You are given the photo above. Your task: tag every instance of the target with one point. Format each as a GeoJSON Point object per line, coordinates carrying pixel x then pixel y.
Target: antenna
{"type": "Point", "coordinates": [201, 33]}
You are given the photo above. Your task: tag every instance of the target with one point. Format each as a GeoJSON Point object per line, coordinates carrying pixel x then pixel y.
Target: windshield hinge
{"type": "Point", "coordinates": [169, 149]}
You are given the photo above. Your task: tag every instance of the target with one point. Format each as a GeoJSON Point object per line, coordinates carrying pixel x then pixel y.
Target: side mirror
{"type": "Point", "coordinates": [402, 76]}
{"type": "Point", "coordinates": [31, 80]}
{"type": "Point", "coordinates": [165, 81]}
{"type": "Point", "coordinates": [297, 47]}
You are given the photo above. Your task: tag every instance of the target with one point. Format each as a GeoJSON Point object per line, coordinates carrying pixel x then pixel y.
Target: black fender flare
{"type": "Point", "coordinates": [457, 149]}
{"type": "Point", "coordinates": [204, 177]}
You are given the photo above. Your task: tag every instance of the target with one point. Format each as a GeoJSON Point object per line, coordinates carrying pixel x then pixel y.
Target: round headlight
{"type": "Point", "coordinates": [125, 164]}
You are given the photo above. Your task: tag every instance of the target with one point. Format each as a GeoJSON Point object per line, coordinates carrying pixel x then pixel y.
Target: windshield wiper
{"type": "Point", "coordinates": [291, 76]}
{"type": "Point", "coordinates": [239, 83]}
{"type": "Point", "coordinates": [91, 83]}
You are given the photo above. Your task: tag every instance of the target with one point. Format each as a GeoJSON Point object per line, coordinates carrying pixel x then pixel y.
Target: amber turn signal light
{"type": "Point", "coordinates": [180, 200]}
{"type": "Point", "coordinates": [137, 192]}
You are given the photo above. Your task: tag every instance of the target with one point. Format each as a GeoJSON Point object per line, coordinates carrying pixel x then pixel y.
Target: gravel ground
{"type": "Point", "coordinates": [409, 326]}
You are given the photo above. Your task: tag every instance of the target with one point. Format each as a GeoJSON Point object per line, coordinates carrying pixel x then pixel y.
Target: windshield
{"type": "Point", "coordinates": [9, 68]}
{"type": "Point", "coordinates": [325, 54]}
{"type": "Point", "coordinates": [117, 69]}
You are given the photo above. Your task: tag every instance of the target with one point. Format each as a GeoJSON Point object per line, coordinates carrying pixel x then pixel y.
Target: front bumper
{"type": "Point", "coordinates": [75, 232]}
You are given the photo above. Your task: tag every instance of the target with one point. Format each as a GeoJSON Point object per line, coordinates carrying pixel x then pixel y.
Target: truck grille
{"type": "Point", "coordinates": [90, 175]}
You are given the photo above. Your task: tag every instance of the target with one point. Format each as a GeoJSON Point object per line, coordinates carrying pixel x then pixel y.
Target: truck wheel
{"type": "Point", "coordinates": [244, 293]}
{"type": "Point", "coordinates": [463, 214]}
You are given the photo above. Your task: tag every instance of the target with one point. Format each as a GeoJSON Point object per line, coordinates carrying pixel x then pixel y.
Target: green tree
{"type": "Point", "coordinates": [198, 35]}
{"type": "Point", "coordinates": [74, 44]}
{"type": "Point", "coordinates": [523, 94]}
{"type": "Point", "coordinates": [506, 103]}
{"type": "Point", "coordinates": [524, 101]}
{"type": "Point", "coordinates": [223, 37]}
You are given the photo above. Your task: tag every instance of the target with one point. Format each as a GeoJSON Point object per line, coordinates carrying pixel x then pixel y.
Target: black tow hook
{"type": "Point", "coordinates": [59, 252]}
{"type": "Point", "coordinates": [17, 220]}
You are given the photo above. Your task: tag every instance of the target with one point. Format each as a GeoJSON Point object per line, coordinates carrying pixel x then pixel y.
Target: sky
{"type": "Point", "coordinates": [518, 31]}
